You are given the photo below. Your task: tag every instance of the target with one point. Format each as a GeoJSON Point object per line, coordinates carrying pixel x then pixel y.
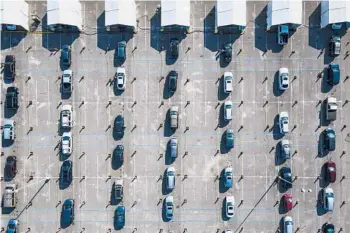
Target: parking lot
{"type": "Point", "coordinates": [199, 193]}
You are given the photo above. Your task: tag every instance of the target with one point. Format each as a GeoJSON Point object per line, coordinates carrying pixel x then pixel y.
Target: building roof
{"type": "Point", "coordinates": [284, 12]}
{"type": "Point", "coordinates": [175, 12]}
{"type": "Point", "coordinates": [334, 12]}
{"type": "Point", "coordinates": [120, 12]}
{"type": "Point", "coordinates": [14, 12]}
{"type": "Point", "coordinates": [231, 12]}
{"type": "Point", "coordinates": [66, 12]}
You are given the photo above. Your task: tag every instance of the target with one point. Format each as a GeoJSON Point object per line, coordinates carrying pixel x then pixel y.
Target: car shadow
{"type": "Point", "coordinates": [168, 131]}
{"type": "Point", "coordinates": [62, 157]}
{"type": "Point", "coordinates": [222, 187]}
{"type": "Point", "coordinates": [277, 135]}
{"type": "Point", "coordinates": [115, 89]}
{"type": "Point", "coordinates": [323, 182]}
{"type": "Point", "coordinates": [322, 152]}
{"type": "Point", "coordinates": [115, 160]}
{"type": "Point", "coordinates": [260, 34]}
{"type": "Point", "coordinates": [271, 40]}
{"type": "Point", "coordinates": [222, 121]}
{"type": "Point", "coordinates": [8, 113]}
{"type": "Point", "coordinates": [323, 113]}
{"type": "Point", "coordinates": [6, 210]}
{"type": "Point", "coordinates": [166, 92]}
{"type": "Point", "coordinates": [221, 94]}
{"type": "Point", "coordinates": [165, 191]}
{"type": "Point", "coordinates": [319, 206]}
{"type": "Point", "coordinates": [223, 148]}
{"type": "Point", "coordinates": [164, 218]}
{"type": "Point", "coordinates": [6, 143]}
{"type": "Point", "coordinates": [169, 60]}
{"type": "Point", "coordinates": [168, 159]}
{"type": "Point", "coordinates": [210, 38]}
{"type": "Point", "coordinates": [278, 155]}
{"type": "Point", "coordinates": [11, 39]}
{"type": "Point", "coordinates": [113, 200]}
{"type": "Point", "coordinates": [280, 226]}
{"type": "Point", "coordinates": [325, 86]}
{"type": "Point", "coordinates": [281, 209]}
{"type": "Point", "coordinates": [158, 39]}
{"type": "Point", "coordinates": [276, 90]}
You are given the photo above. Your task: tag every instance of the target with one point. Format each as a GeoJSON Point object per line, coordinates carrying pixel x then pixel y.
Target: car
{"type": "Point", "coordinates": [169, 207]}
{"type": "Point", "coordinates": [328, 199]}
{"type": "Point", "coordinates": [228, 77]}
{"type": "Point", "coordinates": [173, 147]}
{"type": "Point", "coordinates": [228, 231]}
{"type": "Point", "coordinates": [331, 172]}
{"type": "Point", "coordinates": [10, 67]}
{"type": "Point", "coordinates": [228, 177]}
{"type": "Point", "coordinates": [170, 178]}
{"type": "Point", "coordinates": [287, 202]}
{"type": "Point", "coordinates": [122, 50]}
{"type": "Point", "coordinates": [287, 224]}
{"type": "Point", "coordinates": [174, 48]}
{"type": "Point", "coordinates": [119, 152]}
{"type": "Point", "coordinates": [67, 82]}
{"type": "Point", "coordinates": [66, 116]}
{"type": "Point", "coordinates": [333, 77]}
{"type": "Point", "coordinates": [12, 226]}
{"type": "Point", "coordinates": [119, 126]}
{"type": "Point", "coordinates": [227, 52]}
{"type": "Point", "coordinates": [229, 138]}
{"type": "Point", "coordinates": [120, 78]}
{"type": "Point", "coordinates": [66, 55]}
{"type": "Point", "coordinates": [8, 131]}
{"type": "Point", "coordinates": [286, 177]}
{"type": "Point", "coordinates": [228, 110]}
{"type": "Point", "coordinates": [119, 217]}
{"type": "Point", "coordinates": [174, 117]}
{"type": "Point", "coordinates": [328, 228]}
{"type": "Point", "coordinates": [285, 149]}
{"type": "Point", "coordinates": [173, 81]}
{"type": "Point", "coordinates": [66, 143]}
{"type": "Point", "coordinates": [283, 79]}
{"type": "Point", "coordinates": [66, 174]}
{"type": "Point", "coordinates": [12, 98]}
{"type": "Point", "coordinates": [68, 211]}
{"type": "Point", "coordinates": [10, 198]}
{"type": "Point", "coordinates": [334, 46]}
{"type": "Point", "coordinates": [118, 189]}
{"type": "Point", "coordinates": [230, 206]}
{"type": "Point", "coordinates": [329, 139]}
{"type": "Point", "coordinates": [11, 166]}
{"type": "Point", "coordinates": [284, 122]}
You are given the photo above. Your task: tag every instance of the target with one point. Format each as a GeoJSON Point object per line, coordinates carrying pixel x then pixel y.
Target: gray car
{"type": "Point", "coordinates": [170, 178]}
{"type": "Point", "coordinates": [173, 147]}
{"type": "Point", "coordinates": [285, 146]}
{"type": "Point", "coordinates": [169, 207]}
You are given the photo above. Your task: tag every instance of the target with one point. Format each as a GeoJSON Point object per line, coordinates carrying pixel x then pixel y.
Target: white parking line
{"type": "Point", "coordinates": [36, 104]}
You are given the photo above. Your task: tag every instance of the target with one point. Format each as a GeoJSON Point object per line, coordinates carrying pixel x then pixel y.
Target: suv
{"type": "Point", "coordinates": [67, 82]}
{"type": "Point", "coordinates": [173, 147]}
{"type": "Point", "coordinates": [66, 116]}
{"type": "Point", "coordinates": [66, 175]}
{"type": "Point", "coordinates": [174, 48]}
{"type": "Point", "coordinates": [120, 78]}
{"type": "Point", "coordinates": [328, 199]}
{"type": "Point", "coordinates": [122, 50]}
{"type": "Point", "coordinates": [228, 177]}
{"type": "Point", "coordinates": [229, 138]}
{"type": "Point", "coordinates": [284, 122]}
{"type": "Point", "coordinates": [12, 98]}
{"type": "Point", "coordinates": [119, 126]}
{"type": "Point", "coordinates": [228, 77]}
{"type": "Point", "coordinates": [66, 55]}
{"type": "Point", "coordinates": [11, 166]}
{"type": "Point", "coordinates": [283, 79]}
{"type": "Point", "coordinates": [68, 211]}
{"type": "Point", "coordinates": [118, 189]}
{"type": "Point", "coordinates": [228, 110]}
{"type": "Point", "coordinates": [333, 77]}
{"type": "Point", "coordinates": [227, 52]}
{"type": "Point", "coordinates": [170, 178]}
{"type": "Point", "coordinates": [287, 224]}
{"type": "Point", "coordinates": [174, 117]}
{"type": "Point", "coordinates": [9, 130]}
{"type": "Point", "coordinates": [334, 46]}
{"type": "Point", "coordinates": [169, 207]}
{"type": "Point", "coordinates": [285, 146]}
{"type": "Point", "coordinates": [173, 81]}
{"type": "Point", "coordinates": [10, 67]}
{"type": "Point", "coordinates": [329, 139]}
{"type": "Point", "coordinates": [66, 143]}
{"type": "Point", "coordinates": [286, 177]}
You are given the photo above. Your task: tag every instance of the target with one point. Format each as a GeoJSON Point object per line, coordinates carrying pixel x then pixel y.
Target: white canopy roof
{"type": "Point", "coordinates": [121, 12]}
{"type": "Point", "coordinates": [175, 12]}
{"type": "Point", "coordinates": [14, 12]}
{"type": "Point", "coordinates": [231, 12]}
{"type": "Point", "coordinates": [284, 12]}
{"type": "Point", "coordinates": [334, 12]}
{"type": "Point", "coordinates": [67, 12]}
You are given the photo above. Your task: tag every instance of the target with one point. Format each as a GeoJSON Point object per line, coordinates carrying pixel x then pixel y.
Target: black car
{"type": "Point", "coordinates": [328, 228]}
{"type": "Point", "coordinates": [174, 48]}
{"type": "Point", "coordinates": [119, 126]}
{"type": "Point", "coordinates": [286, 177]}
{"type": "Point", "coordinates": [11, 166]}
{"type": "Point", "coordinates": [173, 81]}
{"type": "Point", "coordinates": [119, 152]}
{"type": "Point", "coordinates": [227, 52]}
{"type": "Point", "coordinates": [66, 55]}
{"type": "Point", "coordinates": [68, 211]}
{"type": "Point", "coordinates": [10, 67]}
{"type": "Point", "coordinates": [66, 172]}
{"type": "Point", "coordinates": [12, 98]}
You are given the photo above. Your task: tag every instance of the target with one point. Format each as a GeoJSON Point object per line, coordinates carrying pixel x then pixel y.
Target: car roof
{"type": "Point", "coordinates": [68, 201]}
{"type": "Point", "coordinates": [171, 169]}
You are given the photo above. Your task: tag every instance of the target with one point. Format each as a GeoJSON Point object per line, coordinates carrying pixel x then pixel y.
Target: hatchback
{"type": "Point", "coordinates": [334, 46]}
{"type": "Point", "coordinates": [119, 125]}
{"type": "Point", "coordinates": [285, 146]}
{"type": "Point", "coordinates": [119, 217]}
{"type": "Point", "coordinates": [118, 189]}
{"type": "Point", "coordinates": [66, 143]}
{"type": "Point", "coordinates": [67, 82]}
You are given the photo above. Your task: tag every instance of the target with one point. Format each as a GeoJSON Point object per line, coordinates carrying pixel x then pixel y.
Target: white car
{"type": "Point", "coordinates": [228, 110]}
{"type": "Point", "coordinates": [288, 224]}
{"type": "Point", "coordinates": [328, 199]}
{"type": "Point", "coordinates": [283, 79]}
{"type": "Point", "coordinates": [284, 122]}
{"type": "Point", "coordinates": [66, 116]}
{"type": "Point", "coordinates": [120, 78]}
{"type": "Point", "coordinates": [228, 231]}
{"type": "Point", "coordinates": [230, 206]}
{"type": "Point", "coordinates": [228, 77]}
{"type": "Point", "coordinates": [66, 143]}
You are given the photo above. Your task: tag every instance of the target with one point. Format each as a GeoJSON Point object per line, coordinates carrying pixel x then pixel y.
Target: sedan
{"type": "Point", "coordinates": [328, 199]}
{"type": "Point", "coordinates": [283, 80]}
{"type": "Point", "coordinates": [119, 152]}
{"type": "Point", "coordinates": [169, 207]}
{"type": "Point", "coordinates": [287, 202]}
{"type": "Point", "coordinates": [228, 110]}
{"type": "Point", "coordinates": [174, 48]}
{"type": "Point", "coordinates": [11, 166]}
{"type": "Point", "coordinates": [67, 82]}
{"type": "Point", "coordinates": [170, 178]}
{"type": "Point", "coordinates": [230, 206]}
{"type": "Point", "coordinates": [286, 177]}
{"type": "Point", "coordinates": [228, 177]}
{"type": "Point", "coordinates": [66, 172]}
{"type": "Point", "coordinates": [68, 211]}
{"type": "Point", "coordinates": [284, 122]}
{"type": "Point", "coordinates": [66, 55]}
{"type": "Point", "coordinates": [331, 172]}
{"type": "Point", "coordinates": [173, 81]}
{"type": "Point", "coordinates": [119, 217]}
{"type": "Point", "coordinates": [120, 78]}
{"type": "Point", "coordinates": [66, 143]}
{"type": "Point", "coordinates": [12, 226]}
{"type": "Point", "coordinates": [119, 125]}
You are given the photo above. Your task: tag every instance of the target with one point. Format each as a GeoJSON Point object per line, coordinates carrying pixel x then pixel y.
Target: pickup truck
{"type": "Point", "coordinates": [282, 34]}
{"type": "Point", "coordinates": [331, 113]}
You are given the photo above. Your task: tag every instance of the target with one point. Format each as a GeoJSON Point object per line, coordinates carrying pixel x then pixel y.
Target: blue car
{"type": "Point", "coordinates": [119, 217]}
{"type": "Point", "coordinates": [66, 55]}
{"type": "Point", "coordinates": [68, 211]}
{"type": "Point", "coordinates": [228, 177]}
{"type": "Point", "coordinates": [12, 226]}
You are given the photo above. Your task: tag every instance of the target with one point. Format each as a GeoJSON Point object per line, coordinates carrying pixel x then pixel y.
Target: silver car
{"type": "Point", "coordinates": [228, 110]}
{"type": "Point", "coordinates": [169, 207]}
{"type": "Point", "coordinates": [121, 78]}
{"type": "Point", "coordinates": [173, 147]}
{"type": "Point", "coordinates": [284, 122]}
{"type": "Point", "coordinates": [283, 79]}
{"type": "Point", "coordinates": [287, 224]}
{"type": "Point", "coordinates": [66, 116]}
{"type": "Point", "coordinates": [230, 206]}
{"type": "Point", "coordinates": [170, 178]}
{"type": "Point", "coordinates": [285, 146]}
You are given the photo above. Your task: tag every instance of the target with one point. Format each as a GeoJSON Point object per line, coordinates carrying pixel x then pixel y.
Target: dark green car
{"type": "Point", "coordinates": [229, 138]}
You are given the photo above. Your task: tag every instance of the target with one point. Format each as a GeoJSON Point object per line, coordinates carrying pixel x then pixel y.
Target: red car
{"type": "Point", "coordinates": [331, 172]}
{"type": "Point", "coordinates": [287, 202]}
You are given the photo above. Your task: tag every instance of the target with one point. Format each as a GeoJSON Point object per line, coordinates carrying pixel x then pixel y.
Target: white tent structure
{"type": "Point", "coordinates": [175, 12]}
{"type": "Point", "coordinates": [284, 12]}
{"type": "Point", "coordinates": [334, 12]}
{"type": "Point", "coordinates": [231, 12]}
{"type": "Point", "coordinates": [14, 13]}
{"type": "Point", "coordinates": [120, 12]}
{"type": "Point", "coordinates": [64, 12]}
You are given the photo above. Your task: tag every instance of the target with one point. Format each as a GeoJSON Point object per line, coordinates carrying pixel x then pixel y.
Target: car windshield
{"type": "Point", "coordinates": [228, 106]}
{"type": "Point", "coordinates": [67, 207]}
{"type": "Point", "coordinates": [329, 195]}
